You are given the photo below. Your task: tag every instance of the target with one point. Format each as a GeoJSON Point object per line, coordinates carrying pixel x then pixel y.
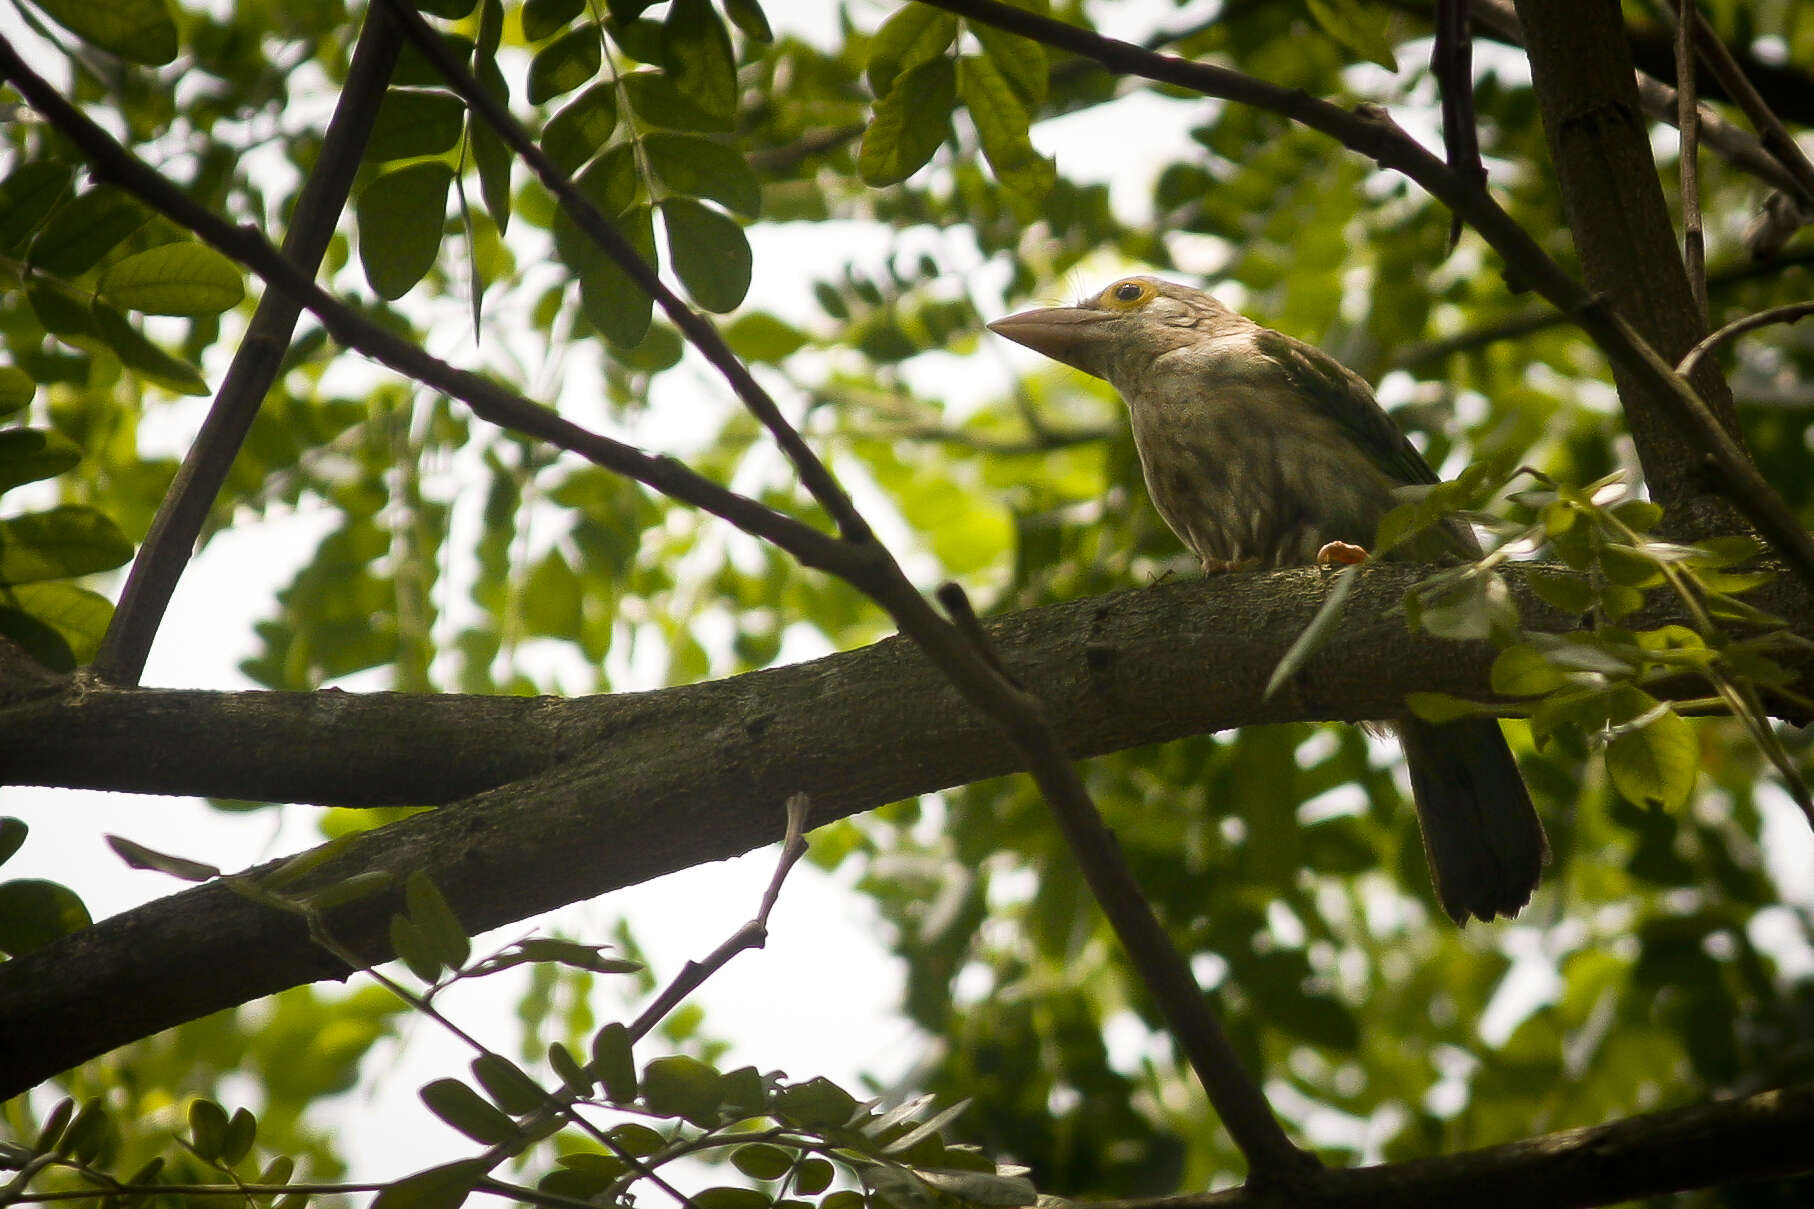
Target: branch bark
{"type": "Point", "coordinates": [1700, 1146]}
{"type": "Point", "coordinates": [1584, 78]}
{"type": "Point", "coordinates": [563, 800]}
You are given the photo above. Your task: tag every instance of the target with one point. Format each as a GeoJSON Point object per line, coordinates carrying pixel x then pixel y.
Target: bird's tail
{"type": "Point", "coordinates": [1483, 839]}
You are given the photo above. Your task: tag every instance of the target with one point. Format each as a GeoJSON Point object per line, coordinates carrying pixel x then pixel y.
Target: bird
{"type": "Point", "coordinates": [1261, 451]}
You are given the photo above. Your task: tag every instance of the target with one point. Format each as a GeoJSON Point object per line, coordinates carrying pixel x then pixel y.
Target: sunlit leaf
{"type": "Point", "coordinates": [909, 123]}
{"type": "Point", "coordinates": [697, 51]}
{"type": "Point", "coordinates": [59, 543]}
{"type": "Point", "coordinates": [174, 279]}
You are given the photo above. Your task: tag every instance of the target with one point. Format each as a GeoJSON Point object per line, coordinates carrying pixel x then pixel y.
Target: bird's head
{"type": "Point", "coordinates": [1120, 331]}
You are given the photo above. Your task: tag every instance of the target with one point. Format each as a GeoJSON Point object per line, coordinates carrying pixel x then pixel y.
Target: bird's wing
{"type": "Point", "coordinates": [1342, 395]}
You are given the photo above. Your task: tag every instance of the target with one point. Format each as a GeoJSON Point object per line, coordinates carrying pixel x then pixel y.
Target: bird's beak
{"type": "Point", "coordinates": [1071, 334]}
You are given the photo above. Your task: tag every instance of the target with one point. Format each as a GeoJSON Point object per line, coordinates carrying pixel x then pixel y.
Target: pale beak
{"type": "Point", "coordinates": [1070, 334]}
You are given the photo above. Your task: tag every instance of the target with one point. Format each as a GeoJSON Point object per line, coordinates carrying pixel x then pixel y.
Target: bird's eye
{"type": "Point", "coordinates": [1126, 295]}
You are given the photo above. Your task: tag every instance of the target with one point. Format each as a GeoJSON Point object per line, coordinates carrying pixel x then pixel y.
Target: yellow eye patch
{"type": "Point", "coordinates": [1126, 295]}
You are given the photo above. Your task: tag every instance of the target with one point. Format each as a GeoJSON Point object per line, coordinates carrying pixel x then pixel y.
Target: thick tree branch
{"type": "Point", "coordinates": [1701, 1146]}
{"type": "Point", "coordinates": [621, 795]}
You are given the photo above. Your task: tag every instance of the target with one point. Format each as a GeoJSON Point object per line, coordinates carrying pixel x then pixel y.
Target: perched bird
{"type": "Point", "coordinates": [1262, 451]}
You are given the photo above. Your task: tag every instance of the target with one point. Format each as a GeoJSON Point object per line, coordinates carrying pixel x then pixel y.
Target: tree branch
{"type": "Point", "coordinates": [171, 541]}
{"type": "Point", "coordinates": [1700, 1146]}
{"type": "Point", "coordinates": [594, 794]}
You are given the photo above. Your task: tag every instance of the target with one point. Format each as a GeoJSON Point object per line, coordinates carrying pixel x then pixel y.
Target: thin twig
{"type": "Point", "coordinates": [1787, 313]}
{"type": "Point", "coordinates": [1452, 63]}
{"type": "Point", "coordinates": [172, 538]}
{"type": "Point", "coordinates": [1770, 130]}
{"type": "Point", "coordinates": [1688, 110]}
{"type": "Point", "coordinates": [752, 935]}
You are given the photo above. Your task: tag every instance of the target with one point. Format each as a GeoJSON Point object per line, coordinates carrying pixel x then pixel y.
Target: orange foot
{"type": "Point", "coordinates": [1219, 566]}
{"type": "Point", "coordinates": [1344, 553]}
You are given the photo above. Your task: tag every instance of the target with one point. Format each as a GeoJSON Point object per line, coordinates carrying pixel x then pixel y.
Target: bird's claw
{"type": "Point", "coordinates": [1340, 553]}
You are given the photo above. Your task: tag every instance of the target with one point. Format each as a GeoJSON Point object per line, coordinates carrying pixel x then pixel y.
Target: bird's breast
{"type": "Point", "coordinates": [1245, 474]}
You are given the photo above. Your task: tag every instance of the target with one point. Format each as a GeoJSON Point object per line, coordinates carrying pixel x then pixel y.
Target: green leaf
{"type": "Point", "coordinates": [760, 336]}
{"type": "Point", "coordinates": [16, 390]}
{"type": "Point", "coordinates": [12, 835]}
{"type": "Point", "coordinates": [1655, 763]}
{"type": "Point", "coordinates": [640, 40]}
{"type": "Point", "coordinates": [915, 34]}
{"type": "Point", "coordinates": [81, 233]}
{"type": "Point", "coordinates": [60, 543]}
{"type": "Point", "coordinates": [401, 218]}
{"type": "Point", "coordinates": [139, 31]}
{"type": "Point", "coordinates": [415, 122]}
{"type": "Point", "coordinates": [575, 134]}
{"type": "Point", "coordinates": [909, 123]}
{"type": "Point", "coordinates": [413, 950]}
{"type": "Point", "coordinates": [508, 1084]}
{"type": "Point", "coordinates": [1319, 631]}
{"type": "Point", "coordinates": [443, 1187]}
{"type": "Point", "coordinates": [1641, 515]}
{"type": "Point", "coordinates": [189, 279]}
{"type": "Point", "coordinates": [1523, 671]}
{"type": "Point", "coordinates": [815, 1104]}
{"type": "Point", "coordinates": [1570, 593]}
{"type": "Point", "coordinates": [34, 912]}
{"type": "Point", "coordinates": [762, 1161]}
{"type": "Point", "coordinates": [700, 167]}
{"type": "Point", "coordinates": [656, 100]}
{"type": "Point", "coordinates": [613, 1062]}
{"type": "Point", "coordinates": [543, 17]}
{"type": "Point", "coordinates": [140, 857]}
{"type": "Point", "coordinates": [1442, 707]}
{"type": "Point", "coordinates": [564, 64]}
{"type": "Point", "coordinates": [490, 153]}
{"type": "Point", "coordinates": [142, 357]}
{"type": "Point", "coordinates": [730, 1197]}
{"type": "Point", "coordinates": [709, 251]}
{"type": "Point", "coordinates": [28, 455]}
{"type": "Point", "coordinates": [612, 303]}
{"type": "Point", "coordinates": [467, 1111]}
{"type": "Point", "coordinates": [447, 10]}
{"type": "Point", "coordinates": [87, 1133]}
{"type": "Point", "coordinates": [696, 49]}
{"type": "Point", "coordinates": [553, 598]}
{"type": "Point", "coordinates": [60, 624]}
{"type": "Point", "coordinates": [429, 911]}
{"type": "Point", "coordinates": [242, 1131]}
{"type": "Point", "coordinates": [813, 1177]}
{"type": "Point", "coordinates": [1357, 26]}
{"type": "Point", "coordinates": [1021, 60]}
{"type": "Point", "coordinates": [682, 1086]}
{"type": "Point", "coordinates": [207, 1128]}
{"type": "Point", "coordinates": [747, 15]}
{"type": "Point", "coordinates": [29, 193]}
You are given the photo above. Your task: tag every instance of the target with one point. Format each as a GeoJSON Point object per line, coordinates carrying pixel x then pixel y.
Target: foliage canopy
{"type": "Point", "coordinates": [589, 510]}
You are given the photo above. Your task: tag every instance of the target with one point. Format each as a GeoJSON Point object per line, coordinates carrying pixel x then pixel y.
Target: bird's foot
{"type": "Point", "coordinates": [1340, 553]}
{"type": "Point", "coordinates": [1221, 566]}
